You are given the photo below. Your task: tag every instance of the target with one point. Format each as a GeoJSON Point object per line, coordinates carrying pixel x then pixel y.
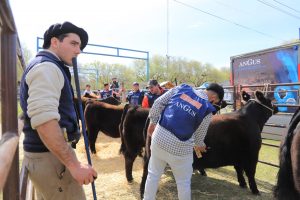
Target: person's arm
{"type": "Point", "coordinates": [94, 95]}
{"type": "Point", "coordinates": [55, 142]}
{"type": "Point", "coordinates": [201, 132]}
{"type": "Point", "coordinates": [45, 82]}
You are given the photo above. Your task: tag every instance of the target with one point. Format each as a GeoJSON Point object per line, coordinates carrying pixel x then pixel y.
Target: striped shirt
{"type": "Point", "coordinates": [167, 140]}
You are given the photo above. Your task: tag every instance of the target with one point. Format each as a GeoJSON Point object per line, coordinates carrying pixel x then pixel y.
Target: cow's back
{"type": "Point", "coordinates": [133, 125]}
{"type": "Point", "coordinates": [104, 117]}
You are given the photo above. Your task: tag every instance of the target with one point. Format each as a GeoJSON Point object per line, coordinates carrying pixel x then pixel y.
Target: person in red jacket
{"type": "Point", "coordinates": [154, 92]}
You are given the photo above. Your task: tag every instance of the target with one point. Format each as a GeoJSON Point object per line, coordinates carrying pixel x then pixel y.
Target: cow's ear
{"type": "Point", "coordinates": [223, 104]}
{"type": "Point", "coordinates": [245, 96]}
{"type": "Point", "coordinates": [260, 96]}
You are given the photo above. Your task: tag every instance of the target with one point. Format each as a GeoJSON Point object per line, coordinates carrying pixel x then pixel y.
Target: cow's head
{"type": "Point", "coordinates": [259, 97]}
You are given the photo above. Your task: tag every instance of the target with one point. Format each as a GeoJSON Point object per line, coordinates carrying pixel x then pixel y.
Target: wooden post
{"type": "Point", "coordinates": [9, 105]}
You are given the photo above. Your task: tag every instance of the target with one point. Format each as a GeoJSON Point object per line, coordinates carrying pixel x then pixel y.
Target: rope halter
{"type": "Point", "coordinates": [270, 109]}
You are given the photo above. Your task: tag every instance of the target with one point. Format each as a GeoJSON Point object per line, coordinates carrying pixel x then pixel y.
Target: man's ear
{"type": "Point", "coordinates": [54, 42]}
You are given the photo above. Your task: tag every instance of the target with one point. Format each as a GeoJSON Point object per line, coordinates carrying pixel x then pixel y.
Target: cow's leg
{"type": "Point", "coordinates": [240, 176]}
{"type": "Point", "coordinates": [92, 139]}
{"type": "Point", "coordinates": [202, 172]}
{"type": "Point", "coordinates": [250, 172]}
{"type": "Point", "coordinates": [197, 165]}
{"type": "Point", "coordinates": [129, 159]}
{"type": "Point", "coordinates": [144, 177]}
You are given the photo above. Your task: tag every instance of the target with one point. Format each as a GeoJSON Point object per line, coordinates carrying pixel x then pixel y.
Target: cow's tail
{"type": "Point", "coordinates": [123, 146]}
{"type": "Point", "coordinates": [285, 189]}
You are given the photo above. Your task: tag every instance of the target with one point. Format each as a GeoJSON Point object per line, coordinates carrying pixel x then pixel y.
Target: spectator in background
{"type": "Point", "coordinates": [135, 97]}
{"type": "Point", "coordinates": [154, 92]}
{"type": "Point", "coordinates": [106, 92]}
{"type": "Point", "coordinates": [89, 93]}
{"type": "Point", "coordinates": [114, 85]}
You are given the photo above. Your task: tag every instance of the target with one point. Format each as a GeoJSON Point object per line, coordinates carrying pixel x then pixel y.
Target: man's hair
{"type": "Point", "coordinates": [87, 85]}
{"type": "Point", "coordinates": [218, 89]}
{"type": "Point", "coordinates": [60, 38]}
{"type": "Point", "coordinates": [105, 84]}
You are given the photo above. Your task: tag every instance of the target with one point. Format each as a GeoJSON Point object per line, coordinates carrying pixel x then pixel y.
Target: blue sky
{"type": "Point", "coordinates": [142, 25]}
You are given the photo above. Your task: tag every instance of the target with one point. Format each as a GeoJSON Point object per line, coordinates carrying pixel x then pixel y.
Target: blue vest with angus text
{"type": "Point", "coordinates": [66, 109]}
{"type": "Point", "coordinates": [105, 94]}
{"type": "Point", "coordinates": [184, 112]}
{"type": "Point", "coordinates": [135, 97]}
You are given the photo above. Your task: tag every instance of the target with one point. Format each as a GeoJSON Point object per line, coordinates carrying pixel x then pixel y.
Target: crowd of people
{"type": "Point", "coordinates": [179, 118]}
{"type": "Point", "coordinates": [135, 96]}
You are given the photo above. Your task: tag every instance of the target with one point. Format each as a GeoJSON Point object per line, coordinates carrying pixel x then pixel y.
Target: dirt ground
{"type": "Point", "coordinates": [110, 165]}
{"type": "Point", "coordinates": [112, 184]}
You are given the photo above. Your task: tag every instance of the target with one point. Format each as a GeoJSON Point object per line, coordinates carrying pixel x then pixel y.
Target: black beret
{"type": "Point", "coordinates": [56, 30]}
{"type": "Point", "coordinates": [217, 89]}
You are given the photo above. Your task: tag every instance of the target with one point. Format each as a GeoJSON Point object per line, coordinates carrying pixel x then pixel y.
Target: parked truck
{"type": "Point", "coordinates": [275, 65]}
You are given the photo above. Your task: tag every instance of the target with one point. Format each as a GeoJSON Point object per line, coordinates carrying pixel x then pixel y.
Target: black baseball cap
{"type": "Point", "coordinates": [217, 89]}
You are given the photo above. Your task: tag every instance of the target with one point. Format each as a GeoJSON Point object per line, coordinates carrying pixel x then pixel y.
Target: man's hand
{"type": "Point", "coordinates": [202, 149]}
{"type": "Point", "coordinates": [151, 128]}
{"type": "Point", "coordinates": [55, 142]}
{"type": "Point", "coordinates": [199, 150]}
{"type": "Point", "coordinates": [83, 173]}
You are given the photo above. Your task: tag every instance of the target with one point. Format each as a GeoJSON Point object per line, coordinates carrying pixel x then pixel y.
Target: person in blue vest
{"type": "Point", "coordinates": [179, 120]}
{"type": "Point", "coordinates": [106, 92]}
{"type": "Point", "coordinates": [135, 97]}
{"type": "Point", "coordinates": [50, 120]}
{"type": "Point", "coordinates": [154, 92]}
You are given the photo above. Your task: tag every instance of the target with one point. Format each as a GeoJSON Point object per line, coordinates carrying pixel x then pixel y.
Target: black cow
{"type": "Point", "coordinates": [131, 130]}
{"type": "Point", "coordinates": [104, 117]}
{"type": "Point", "coordinates": [85, 99]}
{"type": "Point", "coordinates": [233, 139]}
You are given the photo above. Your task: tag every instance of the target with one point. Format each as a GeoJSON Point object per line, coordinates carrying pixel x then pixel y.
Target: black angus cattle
{"type": "Point", "coordinates": [235, 139]}
{"type": "Point", "coordinates": [131, 130]}
{"type": "Point", "coordinates": [102, 116]}
{"type": "Point", "coordinates": [146, 157]}
{"type": "Point", "coordinates": [85, 99]}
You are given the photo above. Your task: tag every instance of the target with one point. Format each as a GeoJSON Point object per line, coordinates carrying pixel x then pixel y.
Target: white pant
{"type": "Point", "coordinates": [181, 167]}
